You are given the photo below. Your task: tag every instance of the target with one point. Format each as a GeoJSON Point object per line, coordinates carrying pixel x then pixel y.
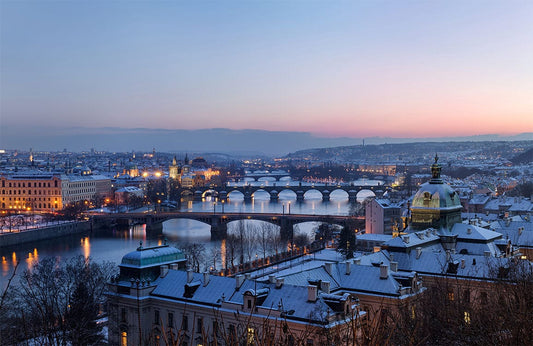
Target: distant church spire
{"type": "Point", "coordinates": [186, 159]}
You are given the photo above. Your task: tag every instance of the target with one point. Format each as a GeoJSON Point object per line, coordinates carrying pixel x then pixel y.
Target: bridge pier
{"type": "Point", "coordinates": [300, 195]}
{"type": "Point", "coordinates": [197, 196]}
{"type": "Point", "coordinates": [247, 196]}
{"type": "Point", "coordinates": [286, 230]}
{"type": "Point", "coordinates": [325, 195]}
{"type": "Point", "coordinates": [223, 196]}
{"type": "Point", "coordinates": [219, 229]}
{"type": "Point", "coordinates": [274, 195]}
{"type": "Point", "coordinates": [352, 196]}
{"type": "Point", "coordinates": [152, 225]}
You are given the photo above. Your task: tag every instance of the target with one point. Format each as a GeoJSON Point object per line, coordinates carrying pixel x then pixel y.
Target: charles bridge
{"type": "Point", "coordinates": [219, 221]}
{"type": "Point", "coordinates": [221, 193]}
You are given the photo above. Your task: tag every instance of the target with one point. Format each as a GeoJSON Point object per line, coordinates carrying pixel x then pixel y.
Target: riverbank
{"type": "Point", "coordinates": [45, 232]}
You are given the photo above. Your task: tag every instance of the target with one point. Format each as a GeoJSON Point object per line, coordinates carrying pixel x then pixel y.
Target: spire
{"type": "Point", "coordinates": [435, 171]}
{"type": "Point", "coordinates": [174, 162]}
{"type": "Point", "coordinates": [186, 159]}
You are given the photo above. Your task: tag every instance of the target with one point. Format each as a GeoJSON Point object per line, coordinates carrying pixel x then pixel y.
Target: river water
{"type": "Point", "coordinates": [111, 245]}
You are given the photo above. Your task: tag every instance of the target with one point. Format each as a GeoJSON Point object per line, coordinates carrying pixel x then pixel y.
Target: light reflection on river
{"type": "Point", "coordinates": [111, 245]}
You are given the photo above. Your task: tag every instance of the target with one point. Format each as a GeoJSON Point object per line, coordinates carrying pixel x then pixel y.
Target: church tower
{"type": "Point", "coordinates": [173, 169]}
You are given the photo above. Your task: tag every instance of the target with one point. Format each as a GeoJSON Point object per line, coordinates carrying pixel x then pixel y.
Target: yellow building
{"type": "Point", "coordinates": [27, 191]}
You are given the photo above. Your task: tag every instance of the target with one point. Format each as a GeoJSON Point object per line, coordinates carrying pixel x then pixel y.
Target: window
{"type": "Point", "coordinates": [216, 330]}
{"type": "Point", "coordinates": [156, 317]}
{"type": "Point", "coordinates": [185, 323]}
{"type": "Point", "coordinates": [467, 317]}
{"type": "Point", "coordinates": [484, 298]}
{"type": "Point", "coordinates": [450, 296]}
{"type": "Point", "coordinates": [123, 315]}
{"type": "Point", "coordinates": [251, 336]}
{"type": "Point", "coordinates": [199, 325]}
{"type": "Point", "coordinates": [249, 302]}
{"type": "Point", "coordinates": [466, 296]}
{"type": "Point", "coordinates": [170, 319]}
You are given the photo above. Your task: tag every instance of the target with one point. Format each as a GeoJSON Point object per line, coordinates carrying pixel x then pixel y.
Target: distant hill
{"type": "Point", "coordinates": [411, 152]}
{"type": "Point", "coordinates": [219, 140]}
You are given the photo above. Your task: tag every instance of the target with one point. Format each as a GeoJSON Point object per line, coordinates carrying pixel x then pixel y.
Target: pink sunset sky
{"type": "Point", "coordinates": [356, 69]}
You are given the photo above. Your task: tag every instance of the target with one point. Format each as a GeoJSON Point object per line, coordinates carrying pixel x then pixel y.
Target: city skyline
{"type": "Point", "coordinates": [357, 70]}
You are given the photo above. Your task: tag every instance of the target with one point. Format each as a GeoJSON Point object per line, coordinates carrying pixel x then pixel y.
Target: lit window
{"type": "Point", "coordinates": [251, 336]}
{"type": "Point", "coordinates": [124, 339]}
{"type": "Point", "coordinates": [467, 317]}
{"type": "Point", "coordinates": [450, 296]}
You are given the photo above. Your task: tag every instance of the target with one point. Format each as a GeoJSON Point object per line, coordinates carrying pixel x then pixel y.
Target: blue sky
{"type": "Point", "coordinates": [347, 68]}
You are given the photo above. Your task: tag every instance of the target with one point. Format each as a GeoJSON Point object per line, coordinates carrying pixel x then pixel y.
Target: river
{"type": "Point", "coordinates": [111, 245]}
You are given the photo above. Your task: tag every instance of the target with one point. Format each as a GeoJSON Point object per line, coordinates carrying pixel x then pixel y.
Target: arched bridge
{"type": "Point", "coordinates": [274, 174]}
{"type": "Point", "coordinates": [274, 190]}
{"type": "Point", "coordinates": [219, 221]}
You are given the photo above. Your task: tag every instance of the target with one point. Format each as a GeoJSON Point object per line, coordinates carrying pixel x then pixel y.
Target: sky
{"type": "Point", "coordinates": [330, 68]}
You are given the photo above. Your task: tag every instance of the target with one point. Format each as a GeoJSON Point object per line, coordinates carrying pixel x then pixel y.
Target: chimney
{"type": "Point", "coordinates": [418, 252]}
{"type": "Point", "coordinates": [272, 279]}
{"type": "Point", "coordinates": [328, 266]}
{"type": "Point", "coordinates": [189, 276]}
{"type": "Point", "coordinates": [174, 266]}
{"type": "Point", "coordinates": [383, 271]}
{"type": "Point", "coordinates": [312, 293]}
{"type": "Point", "coordinates": [163, 271]}
{"type": "Point", "coordinates": [487, 253]}
{"type": "Point", "coordinates": [463, 264]}
{"type": "Point", "coordinates": [279, 282]}
{"type": "Point", "coordinates": [239, 279]}
{"type": "Point", "coordinates": [348, 267]}
{"type": "Point", "coordinates": [206, 278]}
{"type": "Point", "coordinates": [357, 261]}
{"type": "Point", "coordinates": [469, 230]}
{"type": "Point", "coordinates": [448, 255]}
{"type": "Point", "coordinates": [248, 276]}
{"type": "Point", "coordinates": [325, 286]}
{"type": "Point", "coordinates": [394, 266]}
{"type": "Point", "coordinates": [405, 239]}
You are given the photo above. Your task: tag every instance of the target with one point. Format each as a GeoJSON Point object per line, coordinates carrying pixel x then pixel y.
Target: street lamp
{"type": "Point", "coordinates": [222, 206]}
{"type": "Point", "coordinates": [214, 205]}
{"type": "Point", "coordinates": [289, 207]}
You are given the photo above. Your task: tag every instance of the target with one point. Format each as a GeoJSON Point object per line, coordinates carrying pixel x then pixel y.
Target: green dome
{"type": "Point", "coordinates": [152, 256]}
{"type": "Point", "coordinates": [436, 196]}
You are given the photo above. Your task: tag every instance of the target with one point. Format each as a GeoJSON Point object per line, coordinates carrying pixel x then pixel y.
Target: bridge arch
{"type": "Point", "coordinates": [339, 194]}
{"type": "Point", "coordinates": [210, 193]}
{"type": "Point", "coordinates": [235, 195]}
{"type": "Point", "coordinates": [261, 193]}
{"type": "Point", "coordinates": [313, 193]}
{"type": "Point", "coordinates": [364, 194]}
{"type": "Point", "coordinates": [286, 193]}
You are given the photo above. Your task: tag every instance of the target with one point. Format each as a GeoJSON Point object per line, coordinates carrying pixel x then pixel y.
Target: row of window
{"type": "Point", "coordinates": [36, 206]}
{"type": "Point", "coordinates": [30, 199]}
{"type": "Point", "coordinates": [29, 184]}
{"type": "Point", "coordinates": [35, 192]}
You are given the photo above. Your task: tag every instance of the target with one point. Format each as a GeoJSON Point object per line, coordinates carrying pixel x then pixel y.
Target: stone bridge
{"type": "Point", "coordinates": [248, 191]}
{"type": "Point", "coordinates": [219, 221]}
